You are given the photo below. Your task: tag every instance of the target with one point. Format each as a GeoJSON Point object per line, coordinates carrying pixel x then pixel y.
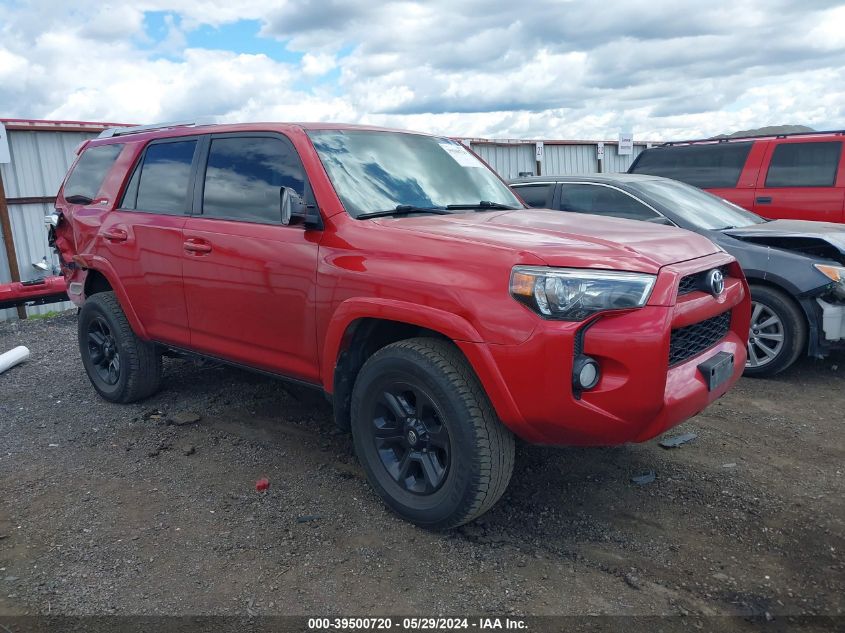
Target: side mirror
{"type": "Point", "coordinates": [286, 204]}
{"type": "Point", "coordinates": [293, 208]}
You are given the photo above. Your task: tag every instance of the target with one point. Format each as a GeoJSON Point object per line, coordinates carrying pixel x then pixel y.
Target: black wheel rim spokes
{"type": "Point", "coordinates": [411, 439]}
{"type": "Point", "coordinates": [102, 350]}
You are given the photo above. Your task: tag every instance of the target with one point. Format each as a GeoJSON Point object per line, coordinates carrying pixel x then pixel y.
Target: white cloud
{"type": "Point", "coordinates": [315, 65]}
{"type": "Point", "coordinates": [550, 68]}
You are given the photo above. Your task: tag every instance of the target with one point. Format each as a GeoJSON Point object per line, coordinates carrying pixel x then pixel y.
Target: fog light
{"type": "Point", "coordinates": [585, 373]}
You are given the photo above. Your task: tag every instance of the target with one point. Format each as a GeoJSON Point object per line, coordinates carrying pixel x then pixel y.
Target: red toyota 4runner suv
{"type": "Point", "coordinates": [397, 273]}
{"type": "Point", "coordinates": [792, 176]}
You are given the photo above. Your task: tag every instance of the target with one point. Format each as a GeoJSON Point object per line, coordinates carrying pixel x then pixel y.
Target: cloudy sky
{"type": "Point", "coordinates": [488, 68]}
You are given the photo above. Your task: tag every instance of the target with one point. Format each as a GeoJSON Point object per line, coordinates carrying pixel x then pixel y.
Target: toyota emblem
{"type": "Point", "coordinates": [715, 282]}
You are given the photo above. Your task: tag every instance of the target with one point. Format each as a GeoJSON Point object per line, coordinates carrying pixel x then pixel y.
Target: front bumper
{"type": "Point", "coordinates": [639, 395]}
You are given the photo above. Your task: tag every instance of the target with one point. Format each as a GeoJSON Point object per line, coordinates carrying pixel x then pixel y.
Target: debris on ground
{"type": "Point", "coordinates": [632, 581]}
{"type": "Point", "coordinates": [677, 440]}
{"type": "Point", "coordinates": [262, 484]}
{"type": "Point", "coordinates": [729, 465]}
{"type": "Point", "coordinates": [307, 518]}
{"type": "Point", "coordinates": [189, 450]}
{"type": "Point", "coordinates": [13, 357]}
{"type": "Point", "coordinates": [645, 478]}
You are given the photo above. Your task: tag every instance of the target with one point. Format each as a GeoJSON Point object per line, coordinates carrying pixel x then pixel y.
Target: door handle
{"type": "Point", "coordinates": [764, 200]}
{"type": "Point", "coordinates": [115, 235]}
{"type": "Point", "coordinates": [196, 246]}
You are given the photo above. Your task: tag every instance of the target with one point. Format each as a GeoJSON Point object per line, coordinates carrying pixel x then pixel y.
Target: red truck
{"type": "Point", "coordinates": [398, 274]}
{"type": "Point", "coordinates": [797, 176]}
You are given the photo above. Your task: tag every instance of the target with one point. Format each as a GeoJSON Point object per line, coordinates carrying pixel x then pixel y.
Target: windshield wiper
{"type": "Point", "coordinates": [401, 209]}
{"type": "Point", "coordinates": [481, 204]}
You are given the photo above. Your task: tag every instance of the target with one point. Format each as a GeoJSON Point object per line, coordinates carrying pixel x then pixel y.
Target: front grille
{"type": "Point", "coordinates": [696, 281]}
{"type": "Point", "coordinates": [693, 339]}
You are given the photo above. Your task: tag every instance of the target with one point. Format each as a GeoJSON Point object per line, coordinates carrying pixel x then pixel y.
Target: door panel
{"type": "Point", "coordinates": [791, 163]}
{"type": "Point", "coordinates": [249, 280]}
{"type": "Point", "coordinates": [143, 237]}
{"type": "Point", "coordinates": [250, 293]}
{"type": "Point", "coordinates": [148, 263]}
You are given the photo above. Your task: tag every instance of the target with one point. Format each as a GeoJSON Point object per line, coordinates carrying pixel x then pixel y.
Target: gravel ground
{"type": "Point", "coordinates": [116, 509]}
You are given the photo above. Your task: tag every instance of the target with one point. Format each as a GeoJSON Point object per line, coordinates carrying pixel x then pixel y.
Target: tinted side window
{"type": "Point", "coordinates": [600, 200]}
{"type": "Point", "coordinates": [91, 170]}
{"type": "Point", "coordinates": [244, 178]}
{"type": "Point", "coordinates": [160, 182]}
{"type": "Point", "coordinates": [706, 166]}
{"type": "Point", "coordinates": [534, 195]}
{"type": "Point", "coordinates": [804, 165]}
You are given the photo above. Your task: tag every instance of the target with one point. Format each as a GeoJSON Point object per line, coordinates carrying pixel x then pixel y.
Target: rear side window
{"type": "Point", "coordinates": [160, 182]}
{"type": "Point", "coordinates": [804, 165]}
{"type": "Point", "coordinates": [534, 195]}
{"type": "Point", "coordinates": [706, 166]}
{"type": "Point", "coordinates": [600, 200]}
{"type": "Point", "coordinates": [90, 171]}
{"type": "Point", "coordinates": [245, 176]}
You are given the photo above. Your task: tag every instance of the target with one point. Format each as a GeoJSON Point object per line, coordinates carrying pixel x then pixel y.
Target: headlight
{"type": "Point", "coordinates": [573, 294]}
{"type": "Point", "coordinates": [835, 274]}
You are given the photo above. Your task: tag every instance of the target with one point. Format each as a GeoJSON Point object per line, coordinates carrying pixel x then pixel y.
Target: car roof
{"type": "Point", "coordinates": [610, 179]}
{"type": "Point", "coordinates": [124, 135]}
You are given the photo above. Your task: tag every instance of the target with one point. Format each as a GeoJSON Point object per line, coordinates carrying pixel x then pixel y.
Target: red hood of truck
{"type": "Point", "coordinates": [568, 239]}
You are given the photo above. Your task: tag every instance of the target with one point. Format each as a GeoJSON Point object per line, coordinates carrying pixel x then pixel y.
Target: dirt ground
{"type": "Point", "coordinates": [110, 509]}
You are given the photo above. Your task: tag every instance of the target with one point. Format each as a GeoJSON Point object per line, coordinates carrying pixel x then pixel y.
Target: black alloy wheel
{"type": "Point", "coordinates": [120, 366]}
{"type": "Point", "coordinates": [411, 439]}
{"type": "Point", "coordinates": [103, 352]}
{"type": "Point", "coordinates": [427, 435]}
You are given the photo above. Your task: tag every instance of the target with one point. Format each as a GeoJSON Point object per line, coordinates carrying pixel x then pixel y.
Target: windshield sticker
{"type": "Point", "coordinates": [460, 154]}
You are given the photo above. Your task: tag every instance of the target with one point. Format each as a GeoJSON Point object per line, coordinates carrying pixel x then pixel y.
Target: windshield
{"type": "Point", "coordinates": [697, 207]}
{"type": "Point", "coordinates": [378, 171]}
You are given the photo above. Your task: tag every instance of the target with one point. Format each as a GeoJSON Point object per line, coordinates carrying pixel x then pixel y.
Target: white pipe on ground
{"type": "Point", "coordinates": [13, 357]}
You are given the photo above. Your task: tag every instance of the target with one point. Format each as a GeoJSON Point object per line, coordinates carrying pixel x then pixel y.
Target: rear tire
{"type": "Point", "coordinates": [427, 436]}
{"type": "Point", "coordinates": [122, 367]}
{"type": "Point", "coordinates": [778, 332]}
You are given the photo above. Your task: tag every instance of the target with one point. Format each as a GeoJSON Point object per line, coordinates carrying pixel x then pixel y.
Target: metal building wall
{"type": "Point", "coordinates": [614, 163]}
{"type": "Point", "coordinates": [40, 160]}
{"type": "Point", "coordinates": [508, 160]}
{"type": "Point", "coordinates": [560, 159]}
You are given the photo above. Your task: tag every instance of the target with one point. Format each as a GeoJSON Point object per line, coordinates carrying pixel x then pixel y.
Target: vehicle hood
{"type": "Point", "coordinates": [820, 239]}
{"type": "Point", "coordinates": [568, 239]}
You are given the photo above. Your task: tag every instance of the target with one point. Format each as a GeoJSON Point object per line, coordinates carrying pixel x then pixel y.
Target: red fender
{"type": "Point", "coordinates": [456, 328]}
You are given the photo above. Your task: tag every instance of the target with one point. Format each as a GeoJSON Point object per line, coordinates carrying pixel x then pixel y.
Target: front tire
{"type": "Point", "coordinates": [427, 436]}
{"type": "Point", "coordinates": [122, 367]}
{"type": "Point", "coordinates": [777, 335]}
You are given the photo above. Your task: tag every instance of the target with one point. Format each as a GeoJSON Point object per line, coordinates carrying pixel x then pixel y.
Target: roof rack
{"type": "Point", "coordinates": [137, 129]}
{"type": "Point", "coordinates": [729, 139]}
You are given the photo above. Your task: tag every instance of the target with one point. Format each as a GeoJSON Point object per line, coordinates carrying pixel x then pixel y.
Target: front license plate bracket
{"type": "Point", "coordinates": [717, 370]}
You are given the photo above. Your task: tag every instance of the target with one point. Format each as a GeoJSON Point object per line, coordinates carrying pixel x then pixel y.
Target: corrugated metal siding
{"type": "Point", "coordinates": [614, 163]}
{"type": "Point", "coordinates": [508, 160]}
{"type": "Point", "coordinates": [563, 160]}
{"type": "Point", "coordinates": [559, 160]}
{"type": "Point", "coordinates": [39, 163]}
